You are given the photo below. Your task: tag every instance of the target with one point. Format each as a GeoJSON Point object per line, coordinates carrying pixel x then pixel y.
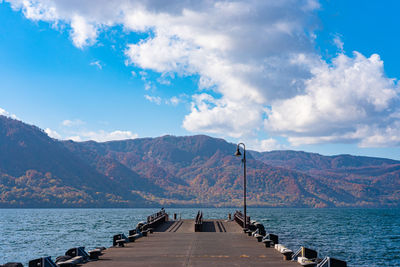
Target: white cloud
{"type": "Point", "coordinates": [52, 133]}
{"type": "Point", "coordinates": [73, 130]}
{"type": "Point", "coordinates": [97, 63]}
{"type": "Point", "coordinates": [221, 116]}
{"type": "Point", "coordinates": [70, 123]}
{"type": "Point", "coordinates": [349, 101]}
{"type": "Point", "coordinates": [143, 75]}
{"type": "Point", "coordinates": [83, 32]}
{"type": "Point", "coordinates": [83, 29]}
{"type": "Point", "coordinates": [265, 145]}
{"type": "Point", "coordinates": [256, 64]}
{"type": "Point", "coordinates": [163, 80]}
{"type": "Point", "coordinates": [338, 42]}
{"type": "Point", "coordinates": [148, 85]}
{"type": "Point", "coordinates": [245, 60]}
{"type": "Point", "coordinates": [75, 138]}
{"type": "Point", "coordinates": [376, 136]}
{"type": "Point", "coordinates": [174, 101]}
{"type": "Point", "coordinates": [3, 112]}
{"type": "Point", "coordinates": [102, 136]}
{"type": "Point", "coordinates": [153, 99]}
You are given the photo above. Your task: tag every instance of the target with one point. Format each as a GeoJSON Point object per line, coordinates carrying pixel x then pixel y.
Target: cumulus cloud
{"type": "Point", "coordinates": [350, 100]}
{"type": "Point", "coordinates": [245, 59]}
{"type": "Point", "coordinates": [74, 130]}
{"type": "Point", "coordinates": [102, 136]}
{"type": "Point", "coordinates": [256, 65]}
{"type": "Point", "coordinates": [52, 133]}
{"type": "Point", "coordinates": [234, 46]}
{"type": "Point", "coordinates": [221, 116]}
{"type": "Point", "coordinates": [265, 145]}
{"type": "Point", "coordinates": [3, 112]}
{"type": "Point", "coordinates": [375, 136]}
{"type": "Point", "coordinates": [83, 32]}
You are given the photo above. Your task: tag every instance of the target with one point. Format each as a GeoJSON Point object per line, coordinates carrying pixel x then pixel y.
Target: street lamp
{"type": "Point", "coordinates": [238, 154]}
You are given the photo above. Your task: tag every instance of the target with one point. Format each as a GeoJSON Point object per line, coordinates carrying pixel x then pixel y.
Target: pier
{"type": "Point", "coordinates": [175, 243]}
{"type": "Point", "coordinates": [159, 241]}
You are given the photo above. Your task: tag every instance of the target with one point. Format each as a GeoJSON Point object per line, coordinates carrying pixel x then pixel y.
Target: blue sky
{"type": "Point", "coordinates": [276, 76]}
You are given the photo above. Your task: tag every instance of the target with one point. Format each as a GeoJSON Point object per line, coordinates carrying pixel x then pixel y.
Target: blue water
{"type": "Point", "coordinates": [362, 237]}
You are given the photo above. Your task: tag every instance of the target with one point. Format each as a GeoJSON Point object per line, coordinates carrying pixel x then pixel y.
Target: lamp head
{"type": "Point", "coordinates": [237, 153]}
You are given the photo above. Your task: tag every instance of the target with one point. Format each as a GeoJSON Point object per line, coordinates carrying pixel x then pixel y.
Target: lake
{"type": "Point", "coordinates": [362, 237]}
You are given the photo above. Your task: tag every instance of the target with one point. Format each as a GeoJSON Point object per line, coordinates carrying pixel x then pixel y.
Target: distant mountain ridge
{"type": "Point", "coordinates": [304, 161]}
{"type": "Point", "coordinates": [38, 171]}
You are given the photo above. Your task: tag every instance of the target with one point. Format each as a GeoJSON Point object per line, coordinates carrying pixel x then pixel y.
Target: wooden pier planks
{"type": "Point", "coordinates": [187, 248]}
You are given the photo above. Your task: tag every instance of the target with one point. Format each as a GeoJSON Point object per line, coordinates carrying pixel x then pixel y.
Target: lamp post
{"type": "Point", "coordinates": [238, 154]}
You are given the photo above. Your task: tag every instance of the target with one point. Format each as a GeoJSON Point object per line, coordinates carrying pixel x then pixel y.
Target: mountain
{"type": "Point", "coordinates": [304, 161]}
{"type": "Point", "coordinates": [373, 181]}
{"type": "Point", "coordinates": [38, 171]}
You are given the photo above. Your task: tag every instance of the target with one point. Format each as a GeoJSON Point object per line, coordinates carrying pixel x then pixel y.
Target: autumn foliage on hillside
{"type": "Point", "coordinates": [38, 171]}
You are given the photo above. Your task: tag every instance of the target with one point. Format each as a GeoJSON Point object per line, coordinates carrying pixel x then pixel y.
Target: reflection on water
{"type": "Point", "coordinates": [363, 237]}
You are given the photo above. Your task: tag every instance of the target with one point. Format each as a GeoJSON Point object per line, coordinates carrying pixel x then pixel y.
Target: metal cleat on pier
{"type": "Point", "coordinates": [95, 253]}
{"type": "Point", "coordinates": [120, 240]}
{"type": "Point", "coordinates": [133, 235]}
{"type": "Point", "coordinates": [270, 240]}
{"type": "Point", "coordinates": [306, 257]}
{"type": "Point", "coordinates": [287, 253]}
{"type": "Point", "coordinates": [68, 261]}
{"type": "Point", "coordinates": [42, 262]}
{"type": "Point", "coordinates": [78, 252]}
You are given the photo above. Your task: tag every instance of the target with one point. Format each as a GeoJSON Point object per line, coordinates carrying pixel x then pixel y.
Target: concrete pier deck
{"type": "Point", "coordinates": [175, 243]}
